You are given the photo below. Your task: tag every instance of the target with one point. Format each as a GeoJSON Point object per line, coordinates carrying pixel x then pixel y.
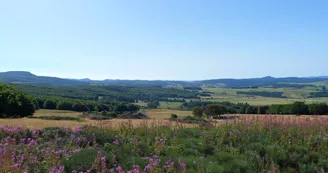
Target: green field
{"type": "Point", "coordinates": [292, 94]}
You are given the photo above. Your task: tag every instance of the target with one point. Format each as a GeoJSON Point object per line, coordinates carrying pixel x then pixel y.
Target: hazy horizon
{"type": "Point", "coordinates": [164, 40]}
{"type": "Point", "coordinates": [74, 78]}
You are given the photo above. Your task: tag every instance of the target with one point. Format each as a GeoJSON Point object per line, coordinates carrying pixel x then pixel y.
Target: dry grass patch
{"type": "Point", "coordinates": [162, 114]}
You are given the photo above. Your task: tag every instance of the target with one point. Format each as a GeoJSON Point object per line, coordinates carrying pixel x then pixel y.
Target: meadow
{"type": "Point", "coordinates": [251, 144]}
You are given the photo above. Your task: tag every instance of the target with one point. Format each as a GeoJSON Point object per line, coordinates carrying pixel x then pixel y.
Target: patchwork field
{"type": "Point", "coordinates": [292, 94]}
{"type": "Point", "coordinates": [156, 115]}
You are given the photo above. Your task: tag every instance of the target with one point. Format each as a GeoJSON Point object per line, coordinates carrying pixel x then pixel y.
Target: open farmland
{"type": "Point", "coordinates": [291, 94]}
{"type": "Point", "coordinates": [155, 115]}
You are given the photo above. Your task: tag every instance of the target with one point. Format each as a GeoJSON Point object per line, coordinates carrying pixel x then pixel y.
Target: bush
{"type": "Point", "coordinates": [100, 117]}
{"type": "Point", "coordinates": [127, 108]}
{"type": "Point", "coordinates": [198, 111]}
{"type": "Point", "coordinates": [174, 116]}
{"type": "Point", "coordinates": [225, 117]}
{"type": "Point", "coordinates": [138, 115]}
{"type": "Point", "coordinates": [152, 105]}
{"type": "Point", "coordinates": [81, 161]}
{"type": "Point", "coordinates": [190, 119]}
{"type": "Point", "coordinates": [55, 118]}
{"type": "Point", "coordinates": [109, 114]}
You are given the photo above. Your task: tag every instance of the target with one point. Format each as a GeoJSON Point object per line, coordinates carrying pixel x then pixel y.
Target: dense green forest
{"type": "Point", "coordinates": [107, 94]}
{"type": "Point", "coordinates": [262, 93]}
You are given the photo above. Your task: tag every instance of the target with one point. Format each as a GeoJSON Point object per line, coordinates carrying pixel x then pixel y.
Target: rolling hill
{"type": "Point", "coordinates": [29, 78]}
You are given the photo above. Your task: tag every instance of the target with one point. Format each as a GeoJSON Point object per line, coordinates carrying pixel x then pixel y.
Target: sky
{"type": "Point", "coordinates": [164, 39]}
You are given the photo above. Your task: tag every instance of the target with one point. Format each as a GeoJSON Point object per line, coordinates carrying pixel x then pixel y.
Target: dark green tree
{"type": "Point", "coordinates": [49, 104]}
{"type": "Point", "coordinates": [79, 107]}
{"type": "Point", "coordinates": [133, 108]}
{"type": "Point", "coordinates": [214, 110]}
{"type": "Point", "coordinates": [318, 109]}
{"type": "Point", "coordinates": [65, 105]}
{"type": "Point", "coordinates": [121, 108]}
{"type": "Point", "coordinates": [153, 105]}
{"type": "Point", "coordinates": [299, 108]}
{"type": "Point", "coordinates": [198, 111]}
{"type": "Point", "coordinates": [14, 103]}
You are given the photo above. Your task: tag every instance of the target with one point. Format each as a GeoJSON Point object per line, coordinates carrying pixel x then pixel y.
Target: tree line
{"type": "Point", "coordinates": [108, 94]}
{"type": "Point", "coordinates": [83, 106]}
{"type": "Point", "coordinates": [17, 104]}
{"type": "Point", "coordinates": [263, 94]}
{"type": "Point", "coordinates": [296, 108]}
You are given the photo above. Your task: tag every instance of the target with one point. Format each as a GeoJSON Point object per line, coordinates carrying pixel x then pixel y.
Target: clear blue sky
{"type": "Point", "coordinates": [167, 39]}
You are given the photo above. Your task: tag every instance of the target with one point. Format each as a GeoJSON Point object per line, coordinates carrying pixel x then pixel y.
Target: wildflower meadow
{"type": "Point", "coordinates": [250, 144]}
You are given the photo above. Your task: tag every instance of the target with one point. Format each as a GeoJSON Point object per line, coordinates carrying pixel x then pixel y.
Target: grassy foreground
{"type": "Point", "coordinates": [251, 144]}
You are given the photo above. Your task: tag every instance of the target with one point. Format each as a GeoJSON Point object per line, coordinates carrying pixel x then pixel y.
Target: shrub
{"type": "Point", "coordinates": [81, 161]}
{"type": "Point", "coordinates": [55, 118]}
{"type": "Point", "coordinates": [152, 105]}
{"type": "Point", "coordinates": [190, 119]}
{"type": "Point", "coordinates": [100, 117]}
{"type": "Point", "coordinates": [174, 116]}
{"type": "Point", "coordinates": [198, 111]}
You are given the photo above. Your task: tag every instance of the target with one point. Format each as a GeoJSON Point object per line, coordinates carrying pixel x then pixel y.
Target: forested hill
{"type": "Point", "coordinates": [29, 78]}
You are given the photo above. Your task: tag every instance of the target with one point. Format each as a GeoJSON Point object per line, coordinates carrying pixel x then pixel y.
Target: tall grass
{"type": "Point", "coordinates": [248, 144]}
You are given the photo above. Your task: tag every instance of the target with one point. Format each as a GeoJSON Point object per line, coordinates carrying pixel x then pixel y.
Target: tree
{"type": "Point", "coordinates": [102, 107]}
{"type": "Point", "coordinates": [318, 109]}
{"type": "Point", "coordinates": [214, 110]}
{"type": "Point", "coordinates": [251, 110]}
{"type": "Point", "coordinates": [262, 109]}
{"type": "Point", "coordinates": [90, 106]}
{"type": "Point", "coordinates": [198, 111]}
{"type": "Point", "coordinates": [133, 108]}
{"type": "Point", "coordinates": [243, 108]}
{"type": "Point", "coordinates": [299, 108]}
{"type": "Point", "coordinates": [65, 105]}
{"type": "Point", "coordinates": [121, 108]}
{"type": "Point", "coordinates": [14, 103]}
{"type": "Point", "coordinates": [79, 107]}
{"type": "Point", "coordinates": [40, 103]}
{"type": "Point", "coordinates": [153, 105]}
{"type": "Point", "coordinates": [49, 104]}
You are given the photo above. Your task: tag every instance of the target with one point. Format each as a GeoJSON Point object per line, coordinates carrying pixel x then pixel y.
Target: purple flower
{"type": "Point", "coordinates": [119, 169]}
{"type": "Point", "coordinates": [36, 132]}
{"type": "Point", "coordinates": [147, 168]}
{"type": "Point", "coordinates": [116, 142]}
{"type": "Point", "coordinates": [78, 129]}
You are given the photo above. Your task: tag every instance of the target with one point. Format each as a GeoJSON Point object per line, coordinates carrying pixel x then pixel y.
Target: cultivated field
{"type": "Point", "coordinates": [155, 115]}
{"type": "Point", "coordinates": [292, 94]}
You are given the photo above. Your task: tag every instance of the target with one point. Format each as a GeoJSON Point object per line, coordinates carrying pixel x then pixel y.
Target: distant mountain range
{"type": "Point", "coordinates": [29, 78]}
